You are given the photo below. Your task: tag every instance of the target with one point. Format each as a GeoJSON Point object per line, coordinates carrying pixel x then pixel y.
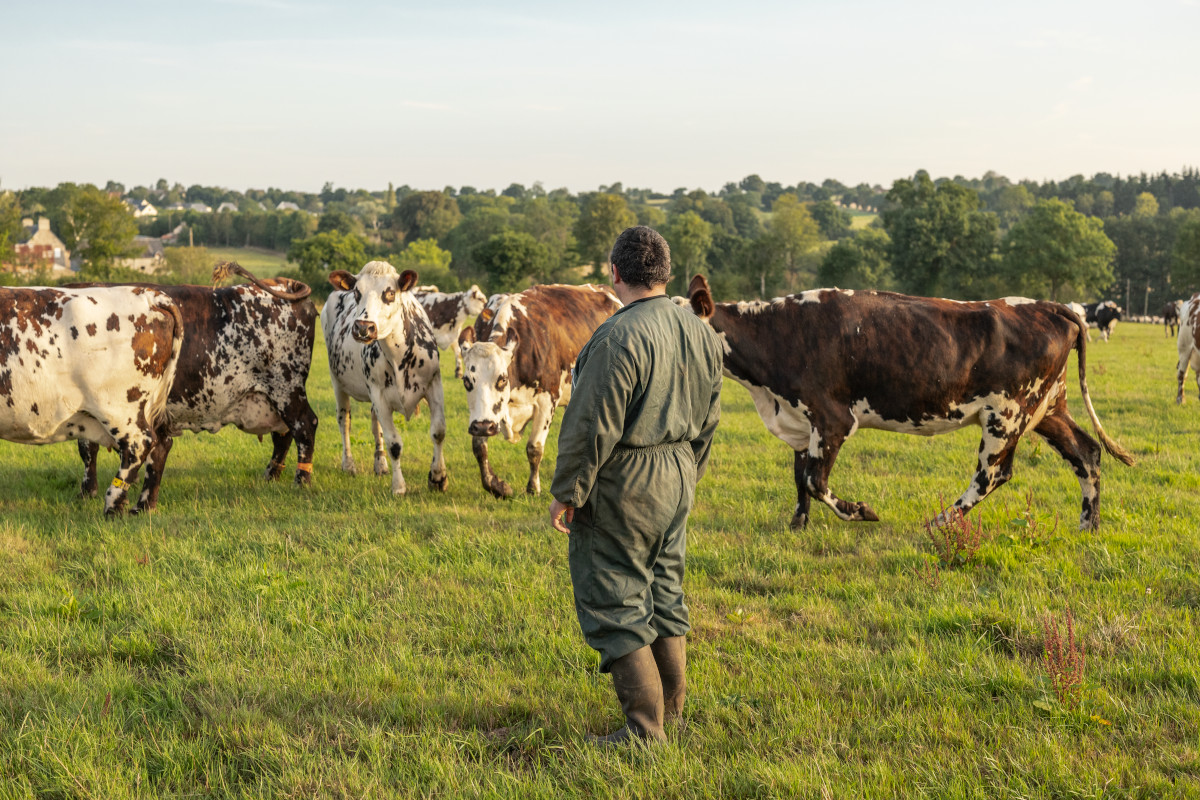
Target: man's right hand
{"type": "Point", "coordinates": [559, 511]}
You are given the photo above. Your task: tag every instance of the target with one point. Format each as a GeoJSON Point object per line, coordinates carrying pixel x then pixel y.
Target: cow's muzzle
{"type": "Point", "coordinates": [478, 428]}
{"type": "Point", "coordinates": [364, 331]}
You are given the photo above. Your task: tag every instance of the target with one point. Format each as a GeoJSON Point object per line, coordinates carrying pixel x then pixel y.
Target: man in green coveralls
{"type": "Point", "coordinates": [635, 439]}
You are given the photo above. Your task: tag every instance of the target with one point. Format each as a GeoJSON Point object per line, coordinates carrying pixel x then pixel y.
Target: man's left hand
{"type": "Point", "coordinates": [559, 512]}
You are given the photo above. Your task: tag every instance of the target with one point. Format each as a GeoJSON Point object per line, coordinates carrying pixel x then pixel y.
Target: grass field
{"type": "Point", "coordinates": [258, 640]}
{"type": "Point", "coordinates": [263, 263]}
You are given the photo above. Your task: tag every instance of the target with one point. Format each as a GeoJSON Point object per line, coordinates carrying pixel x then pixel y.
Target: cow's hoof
{"type": "Point", "coordinates": [439, 484]}
{"type": "Point", "coordinates": [303, 478]}
{"type": "Point", "coordinates": [87, 492]}
{"type": "Point", "coordinates": [381, 469]}
{"type": "Point", "coordinates": [533, 489]}
{"type": "Point", "coordinates": [500, 489]}
{"type": "Point", "coordinates": [350, 468]}
{"type": "Point", "coordinates": [799, 522]}
{"type": "Point", "coordinates": [866, 514]}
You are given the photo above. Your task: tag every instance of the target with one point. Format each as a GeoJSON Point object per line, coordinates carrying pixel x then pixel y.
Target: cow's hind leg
{"type": "Point", "coordinates": [799, 472]}
{"type": "Point", "coordinates": [88, 453]}
{"type": "Point", "coordinates": [1082, 452]}
{"type": "Point", "coordinates": [135, 447]}
{"type": "Point", "coordinates": [302, 428]}
{"type": "Point", "coordinates": [997, 449]}
{"type": "Point", "coordinates": [148, 500]}
{"type": "Point", "coordinates": [830, 429]}
{"type": "Point", "coordinates": [439, 478]}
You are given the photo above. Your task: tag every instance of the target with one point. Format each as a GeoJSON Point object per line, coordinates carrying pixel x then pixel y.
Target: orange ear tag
{"type": "Point", "coordinates": [487, 314]}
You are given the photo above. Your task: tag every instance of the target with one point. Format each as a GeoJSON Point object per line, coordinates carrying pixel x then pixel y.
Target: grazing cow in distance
{"type": "Point", "coordinates": [824, 363]}
{"type": "Point", "coordinates": [244, 362]}
{"type": "Point", "coordinates": [447, 311]}
{"type": "Point", "coordinates": [1188, 343]}
{"type": "Point", "coordinates": [1170, 315]}
{"type": "Point", "coordinates": [382, 350]}
{"type": "Point", "coordinates": [517, 367]}
{"type": "Point", "coordinates": [1104, 316]}
{"type": "Point", "coordinates": [94, 364]}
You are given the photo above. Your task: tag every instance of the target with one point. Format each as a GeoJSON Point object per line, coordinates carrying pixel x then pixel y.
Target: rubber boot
{"type": "Point", "coordinates": [670, 653]}
{"type": "Point", "coordinates": [639, 689]}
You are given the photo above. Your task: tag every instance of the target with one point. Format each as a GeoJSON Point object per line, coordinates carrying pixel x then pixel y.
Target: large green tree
{"type": "Point", "coordinates": [426, 215]}
{"type": "Point", "coordinates": [95, 226]}
{"type": "Point", "coordinates": [832, 220]}
{"type": "Point", "coordinates": [942, 243]}
{"type": "Point", "coordinates": [1185, 257]}
{"type": "Point", "coordinates": [791, 233]}
{"type": "Point", "coordinates": [1055, 246]}
{"type": "Point", "coordinates": [322, 253]}
{"type": "Point", "coordinates": [858, 262]}
{"type": "Point", "coordinates": [510, 258]}
{"type": "Point", "coordinates": [601, 219]}
{"type": "Point", "coordinates": [690, 238]}
{"type": "Point", "coordinates": [430, 262]}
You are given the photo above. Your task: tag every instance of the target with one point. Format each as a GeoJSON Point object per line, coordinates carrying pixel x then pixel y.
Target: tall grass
{"type": "Point", "coordinates": [258, 640]}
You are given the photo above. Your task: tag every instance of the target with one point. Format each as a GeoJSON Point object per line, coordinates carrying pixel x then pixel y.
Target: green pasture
{"type": "Point", "coordinates": [263, 263]}
{"type": "Point", "coordinates": [257, 640]}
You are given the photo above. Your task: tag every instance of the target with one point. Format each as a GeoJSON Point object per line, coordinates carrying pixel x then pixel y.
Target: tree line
{"type": "Point", "coordinates": [1077, 239]}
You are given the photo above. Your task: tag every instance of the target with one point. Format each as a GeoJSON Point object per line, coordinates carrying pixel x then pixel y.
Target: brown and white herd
{"type": "Point", "coordinates": [132, 366]}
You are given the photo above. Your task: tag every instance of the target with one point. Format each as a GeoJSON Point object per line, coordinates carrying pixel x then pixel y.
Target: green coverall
{"type": "Point", "coordinates": [635, 439]}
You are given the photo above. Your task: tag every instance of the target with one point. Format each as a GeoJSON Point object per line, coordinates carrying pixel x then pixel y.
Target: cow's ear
{"type": "Point", "coordinates": [408, 279]}
{"type": "Point", "coordinates": [466, 335]}
{"type": "Point", "coordinates": [511, 340]}
{"type": "Point", "coordinates": [342, 280]}
{"type": "Point", "coordinates": [698, 282]}
{"type": "Point", "coordinates": [702, 303]}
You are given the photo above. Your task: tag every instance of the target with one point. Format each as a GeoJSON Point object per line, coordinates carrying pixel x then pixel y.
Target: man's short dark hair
{"type": "Point", "coordinates": [641, 257]}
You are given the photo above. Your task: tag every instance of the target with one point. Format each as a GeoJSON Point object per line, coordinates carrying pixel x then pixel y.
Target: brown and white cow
{"type": "Point", "coordinates": [517, 367]}
{"type": "Point", "coordinates": [244, 362]}
{"type": "Point", "coordinates": [824, 363]}
{"type": "Point", "coordinates": [94, 364]}
{"type": "Point", "coordinates": [382, 351]}
{"type": "Point", "coordinates": [447, 311]}
{"type": "Point", "coordinates": [1188, 344]}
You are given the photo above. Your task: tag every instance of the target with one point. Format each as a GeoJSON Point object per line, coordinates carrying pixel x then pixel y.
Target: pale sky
{"type": "Point", "coordinates": [292, 93]}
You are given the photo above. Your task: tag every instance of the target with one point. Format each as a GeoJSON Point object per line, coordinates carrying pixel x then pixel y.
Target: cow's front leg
{"type": "Point", "coordinates": [539, 428]}
{"type": "Point", "coordinates": [830, 429]}
{"type": "Point", "coordinates": [280, 444]}
{"type": "Point", "coordinates": [997, 449]}
{"type": "Point", "coordinates": [383, 419]}
{"type": "Point", "coordinates": [381, 462]}
{"type": "Point", "coordinates": [800, 473]}
{"type": "Point", "coordinates": [439, 478]}
{"type": "Point", "coordinates": [491, 482]}
{"type": "Point", "coordinates": [302, 422]}
{"type": "Point", "coordinates": [135, 447]}
{"type": "Point", "coordinates": [89, 452]}
{"type": "Point", "coordinates": [343, 407]}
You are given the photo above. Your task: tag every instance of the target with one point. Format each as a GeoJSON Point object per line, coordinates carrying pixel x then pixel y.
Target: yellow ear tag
{"type": "Point", "coordinates": [120, 484]}
{"type": "Point", "coordinates": [487, 314]}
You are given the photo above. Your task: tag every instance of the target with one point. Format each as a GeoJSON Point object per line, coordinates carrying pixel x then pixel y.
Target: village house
{"type": "Point", "coordinates": [41, 249]}
{"type": "Point", "coordinates": [150, 257]}
{"type": "Point", "coordinates": [142, 208]}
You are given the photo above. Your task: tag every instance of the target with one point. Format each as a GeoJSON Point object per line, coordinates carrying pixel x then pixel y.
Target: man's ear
{"type": "Point", "coordinates": [342, 280]}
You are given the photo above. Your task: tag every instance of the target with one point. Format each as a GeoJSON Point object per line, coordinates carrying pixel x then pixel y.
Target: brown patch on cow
{"type": "Point", "coordinates": [133, 394]}
{"type": "Point", "coordinates": [34, 408]}
{"type": "Point", "coordinates": [444, 311]}
{"type": "Point", "coordinates": [91, 328]}
{"type": "Point", "coordinates": [114, 323]}
{"type": "Point", "coordinates": [151, 344]}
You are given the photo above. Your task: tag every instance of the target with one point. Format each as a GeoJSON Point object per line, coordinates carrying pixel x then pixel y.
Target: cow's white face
{"type": "Point", "coordinates": [474, 301]}
{"type": "Point", "coordinates": [485, 376]}
{"type": "Point", "coordinates": [377, 311]}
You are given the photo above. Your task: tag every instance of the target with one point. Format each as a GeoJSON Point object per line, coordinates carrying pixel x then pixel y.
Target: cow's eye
{"type": "Point", "coordinates": [389, 295]}
{"type": "Point", "coordinates": [357, 296]}
{"type": "Point", "coordinates": [500, 384]}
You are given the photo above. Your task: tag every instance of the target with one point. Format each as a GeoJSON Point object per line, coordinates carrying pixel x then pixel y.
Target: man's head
{"type": "Point", "coordinates": [641, 257]}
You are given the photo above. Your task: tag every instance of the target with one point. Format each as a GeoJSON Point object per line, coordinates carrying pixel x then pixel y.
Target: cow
{"type": "Point", "coordinates": [1104, 316]}
{"type": "Point", "coordinates": [382, 350]}
{"type": "Point", "coordinates": [447, 311]}
{"type": "Point", "coordinates": [1188, 343]}
{"type": "Point", "coordinates": [244, 362]}
{"type": "Point", "coordinates": [92, 364]}
{"type": "Point", "coordinates": [1170, 315]}
{"type": "Point", "coordinates": [1081, 312]}
{"type": "Point", "coordinates": [517, 365]}
{"type": "Point", "coordinates": [824, 363]}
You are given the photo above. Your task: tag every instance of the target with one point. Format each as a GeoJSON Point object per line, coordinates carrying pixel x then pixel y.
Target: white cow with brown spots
{"type": "Point", "coordinates": [447, 311]}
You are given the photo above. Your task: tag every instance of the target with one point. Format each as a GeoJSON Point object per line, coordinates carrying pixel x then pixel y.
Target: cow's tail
{"type": "Point", "coordinates": [226, 268]}
{"type": "Point", "coordinates": [158, 402]}
{"type": "Point", "coordinates": [1115, 450]}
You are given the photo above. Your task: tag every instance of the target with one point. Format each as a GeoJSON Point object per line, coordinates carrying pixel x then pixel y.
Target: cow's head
{"type": "Point", "coordinates": [474, 300]}
{"type": "Point", "coordinates": [377, 290]}
{"type": "Point", "coordinates": [700, 297]}
{"type": "Point", "coordinates": [486, 367]}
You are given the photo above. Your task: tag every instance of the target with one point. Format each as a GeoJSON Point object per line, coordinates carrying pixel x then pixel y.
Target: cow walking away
{"type": "Point", "coordinates": [92, 364]}
{"type": "Point", "coordinates": [517, 364]}
{"type": "Point", "coordinates": [822, 364]}
{"type": "Point", "coordinates": [244, 362]}
{"type": "Point", "coordinates": [382, 351]}
{"type": "Point", "coordinates": [447, 311]}
{"type": "Point", "coordinates": [1170, 315]}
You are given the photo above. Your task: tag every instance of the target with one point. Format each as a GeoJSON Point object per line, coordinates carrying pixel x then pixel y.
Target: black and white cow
{"type": "Point", "coordinates": [824, 363]}
{"type": "Point", "coordinates": [244, 362]}
{"type": "Point", "coordinates": [382, 350]}
{"type": "Point", "coordinates": [1103, 316]}
{"type": "Point", "coordinates": [1171, 315]}
{"type": "Point", "coordinates": [1080, 311]}
{"type": "Point", "coordinates": [517, 367]}
{"type": "Point", "coordinates": [92, 364]}
{"type": "Point", "coordinates": [447, 311]}
{"type": "Point", "coordinates": [1188, 344]}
